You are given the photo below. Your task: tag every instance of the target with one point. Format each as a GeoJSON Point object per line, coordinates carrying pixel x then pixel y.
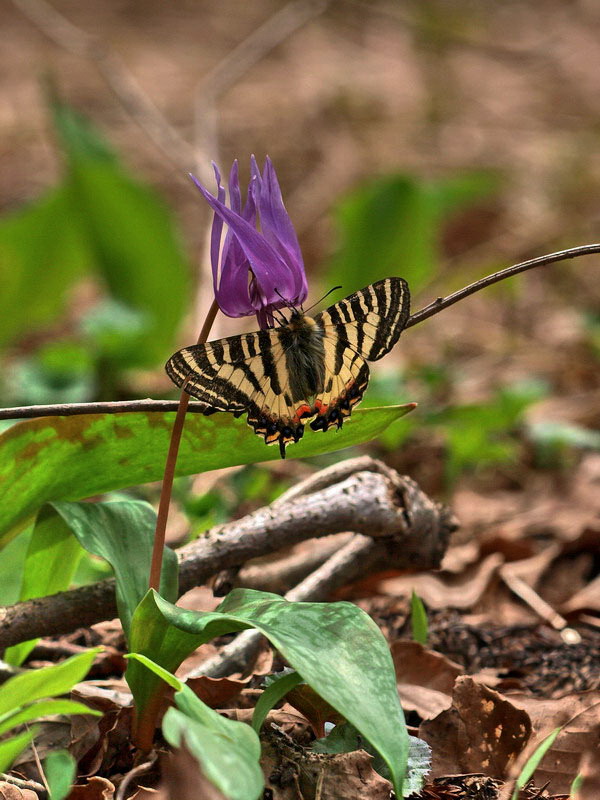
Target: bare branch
{"type": "Point", "coordinates": [541, 261]}
{"type": "Point", "coordinates": [412, 532]}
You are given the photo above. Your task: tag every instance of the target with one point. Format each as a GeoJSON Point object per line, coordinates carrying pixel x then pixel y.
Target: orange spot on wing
{"type": "Point", "coordinates": [321, 408]}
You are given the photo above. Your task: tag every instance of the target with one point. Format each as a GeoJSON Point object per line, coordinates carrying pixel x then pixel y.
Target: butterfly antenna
{"type": "Point", "coordinates": [335, 288]}
{"type": "Point", "coordinates": [287, 302]}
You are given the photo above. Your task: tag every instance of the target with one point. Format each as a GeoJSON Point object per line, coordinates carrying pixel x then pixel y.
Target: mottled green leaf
{"type": "Point", "coordinates": [227, 750]}
{"type": "Point", "coordinates": [274, 692]}
{"type": "Point", "coordinates": [336, 648]}
{"type": "Point", "coordinates": [418, 619]}
{"type": "Point", "coordinates": [69, 458]}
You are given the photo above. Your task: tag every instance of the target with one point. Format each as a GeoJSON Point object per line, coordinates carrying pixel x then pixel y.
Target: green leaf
{"type": "Point", "coordinates": [122, 532]}
{"type": "Point", "coordinates": [533, 762]}
{"type": "Point", "coordinates": [227, 750]}
{"type": "Point", "coordinates": [337, 648]}
{"type": "Point", "coordinates": [397, 220]}
{"type": "Point", "coordinates": [418, 619]}
{"type": "Point", "coordinates": [276, 690]}
{"type": "Point", "coordinates": [129, 232]}
{"type": "Point", "coordinates": [41, 255]}
{"type": "Point", "coordinates": [47, 682]}
{"type": "Point", "coordinates": [44, 708]}
{"type": "Point", "coordinates": [50, 563]}
{"type": "Point", "coordinates": [68, 458]}
{"type": "Point", "coordinates": [11, 748]}
{"type": "Point", "coordinates": [59, 769]}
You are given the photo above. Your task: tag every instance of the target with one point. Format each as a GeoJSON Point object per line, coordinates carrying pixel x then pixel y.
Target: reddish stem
{"type": "Point", "coordinates": [169, 474]}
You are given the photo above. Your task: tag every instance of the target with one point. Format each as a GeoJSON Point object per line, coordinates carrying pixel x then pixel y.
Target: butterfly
{"type": "Point", "coordinates": [305, 368]}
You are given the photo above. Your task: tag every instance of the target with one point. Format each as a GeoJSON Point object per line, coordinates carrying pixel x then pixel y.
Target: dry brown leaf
{"type": "Point", "coordinates": [481, 732]}
{"type": "Point", "coordinates": [425, 678]}
{"type": "Point", "coordinates": [8, 791]}
{"type": "Point", "coordinates": [580, 714]}
{"type": "Point", "coordinates": [293, 773]}
{"type": "Point", "coordinates": [586, 599]}
{"type": "Point", "coordinates": [215, 692]}
{"type": "Point", "coordinates": [96, 788]}
{"type": "Point", "coordinates": [182, 780]}
{"type": "Point", "coordinates": [346, 776]}
{"type": "Point", "coordinates": [316, 710]}
{"type": "Point", "coordinates": [589, 769]}
{"type": "Point", "coordinates": [446, 590]}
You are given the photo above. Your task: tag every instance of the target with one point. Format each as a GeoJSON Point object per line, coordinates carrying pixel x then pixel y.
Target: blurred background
{"type": "Point", "coordinates": [437, 141]}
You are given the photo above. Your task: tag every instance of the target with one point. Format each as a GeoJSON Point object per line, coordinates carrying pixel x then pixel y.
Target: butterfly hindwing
{"type": "Point", "coordinates": [363, 326]}
{"type": "Point", "coordinates": [241, 374]}
{"type": "Point", "coordinates": [280, 377]}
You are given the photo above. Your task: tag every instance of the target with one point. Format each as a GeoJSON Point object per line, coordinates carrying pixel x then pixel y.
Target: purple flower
{"type": "Point", "coordinates": [254, 271]}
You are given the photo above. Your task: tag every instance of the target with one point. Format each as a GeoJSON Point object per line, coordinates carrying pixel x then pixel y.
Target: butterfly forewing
{"type": "Point", "coordinates": [308, 368]}
{"type": "Point", "coordinates": [371, 320]}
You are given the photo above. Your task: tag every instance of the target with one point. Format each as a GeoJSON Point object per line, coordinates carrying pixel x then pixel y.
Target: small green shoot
{"type": "Point", "coordinates": [533, 762]}
{"type": "Point", "coordinates": [418, 619]}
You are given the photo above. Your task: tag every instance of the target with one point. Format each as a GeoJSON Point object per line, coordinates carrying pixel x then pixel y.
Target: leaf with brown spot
{"type": "Point", "coordinates": [481, 732]}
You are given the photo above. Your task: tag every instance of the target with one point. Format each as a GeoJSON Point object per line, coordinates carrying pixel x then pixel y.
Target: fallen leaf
{"type": "Point", "coordinates": [589, 769]}
{"type": "Point", "coordinates": [8, 791]}
{"type": "Point", "coordinates": [425, 678]}
{"type": "Point", "coordinates": [96, 788]}
{"type": "Point", "coordinates": [215, 692]}
{"type": "Point", "coordinates": [481, 732]}
{"type": "Point", "coordinates": [580, 716]}
{"type": "Point", "coordinates": [447, 590]}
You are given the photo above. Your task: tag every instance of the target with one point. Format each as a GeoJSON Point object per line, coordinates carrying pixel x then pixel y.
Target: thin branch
{"type": "Point", "coordinates": [68, 409]}
{"type": "Point", "coordinates": [541, 261]}
{"type": "Point", "coordinates": [342, 567]}
{"type": "Point", "coordinates": [242, 58]}
{"type": "Point", "coordinates": [116, 407]}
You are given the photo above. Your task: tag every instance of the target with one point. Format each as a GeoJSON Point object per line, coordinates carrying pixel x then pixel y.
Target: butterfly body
{"type": "Point", "coordinates": [308, 367]}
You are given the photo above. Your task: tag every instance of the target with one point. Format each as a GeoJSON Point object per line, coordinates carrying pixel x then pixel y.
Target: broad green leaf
{"type": "Point", "coordinates": [227, 750]}
{"type": "Point", "coordinates": [533, 762]}
{"type": "Point", "coordinates": [272, 695]}
{"type": "Point", "coordinates": [129, 232]}
{"type": "Point", "coordinates": [59, 769]}
{"type": "Point", "coordinates": [41, 254]}
{"type": "Point", "coordinates": [50, 563]}
{"type": "Point", "coordinates": [44, 708]}
{"type": "Point", "coordinates": [336, 648]}
{"type": "Point", "coordinates": [122, 532]}
{"type": "Point", "coordinates": [36, 684]}
{"type": "Point", "coordinates": [69, 458]}
{"type": "Point", "coordinates": [393, 226]}
{"type": "Point", "coordinates": [418, 619]}
{"type": "Point", "coordinates": [11, 748]}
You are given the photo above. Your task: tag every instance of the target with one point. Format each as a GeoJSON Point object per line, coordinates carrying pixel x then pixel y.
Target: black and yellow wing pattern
{"type": "Point", "coordinates": [308, 368]}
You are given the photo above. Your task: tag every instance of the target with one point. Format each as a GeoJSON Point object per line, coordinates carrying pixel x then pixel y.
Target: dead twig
{"type": "Point", "coordinates": [65, 409]}
{"type": "Point", "coordinates": [411, 530]}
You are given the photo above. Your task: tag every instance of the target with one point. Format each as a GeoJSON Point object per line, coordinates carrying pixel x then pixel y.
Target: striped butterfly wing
{"type": "Point", "coordinates": [362, 327]}
{"type": "Point", "coordinates": [243, 374]}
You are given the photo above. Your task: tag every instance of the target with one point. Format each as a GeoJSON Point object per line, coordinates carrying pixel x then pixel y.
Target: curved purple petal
{"type": "Point", "coordinates": [270, 271]}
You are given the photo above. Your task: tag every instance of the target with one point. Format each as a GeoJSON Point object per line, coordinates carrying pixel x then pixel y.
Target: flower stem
{"type": "Point", "coordinates": [169, 474]}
